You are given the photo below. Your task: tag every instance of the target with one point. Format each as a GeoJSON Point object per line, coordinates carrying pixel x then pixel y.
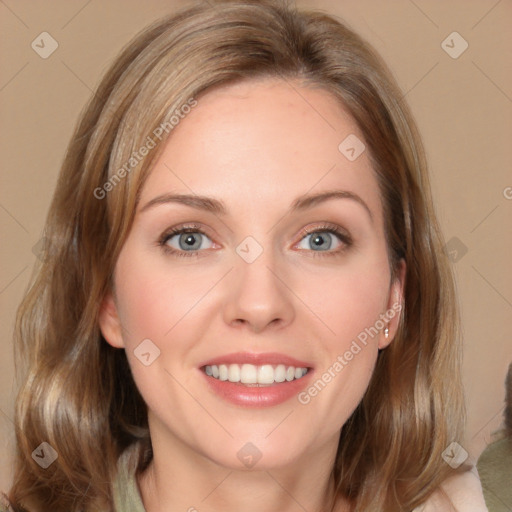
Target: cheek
{"type": "Point", "coordinates": [162, 304]}
{"type": "Point", "coordinates": [155, 304]}
{"type": "Point", "coordinates": [144, 307]}
{"type": "Point", "coordinates": [350, 304]}
{"type": "Point", "coordinates": [354, 306]}
{"type": "Point", "coordinates": [351, 299]}
{"type": "Point", "coordinates": [153, 299]}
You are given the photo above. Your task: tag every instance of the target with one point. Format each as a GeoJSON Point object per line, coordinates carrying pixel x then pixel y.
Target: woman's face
{"type": "Point", "coordinates": [247, 293]}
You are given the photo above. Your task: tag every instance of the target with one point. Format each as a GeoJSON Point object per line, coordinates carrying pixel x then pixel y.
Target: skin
{"type": "Point", "coordinates": [257, 146]}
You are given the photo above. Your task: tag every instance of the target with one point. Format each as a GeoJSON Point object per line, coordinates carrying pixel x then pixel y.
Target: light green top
{"type": "Point", "coordinates": [495, 469]}
{"type": "Point", "coordinates": [127, 496]}
{"type": "Point", "coordinates": [465, 490]}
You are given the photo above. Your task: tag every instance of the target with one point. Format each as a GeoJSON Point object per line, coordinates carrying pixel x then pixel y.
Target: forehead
{"type": "Point", "coordinates": [262, 142]}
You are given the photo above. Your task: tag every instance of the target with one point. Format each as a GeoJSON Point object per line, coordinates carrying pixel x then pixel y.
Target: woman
{"type": "Point", "coordinates": [249, 372]}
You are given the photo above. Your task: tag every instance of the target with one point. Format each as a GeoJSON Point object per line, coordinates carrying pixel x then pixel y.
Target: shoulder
{"type": "Point", "coordinates": [463, 490]}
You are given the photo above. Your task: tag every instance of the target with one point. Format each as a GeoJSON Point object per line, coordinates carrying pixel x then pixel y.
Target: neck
{"type": "Point", "coordinates": [182, 479]}
{"type": "Point", "coordinates": [229, 491]}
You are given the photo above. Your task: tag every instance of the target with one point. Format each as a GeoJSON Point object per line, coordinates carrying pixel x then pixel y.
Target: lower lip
{"type": "Point", "coordinates": [257, 396]}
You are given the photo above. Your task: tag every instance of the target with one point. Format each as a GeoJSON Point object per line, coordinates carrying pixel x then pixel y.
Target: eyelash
{"type": "Point", "coordinates": [345, 238]}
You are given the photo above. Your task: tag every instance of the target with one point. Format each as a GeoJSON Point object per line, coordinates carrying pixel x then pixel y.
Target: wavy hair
{"type": "Point", "coordinates": [77, 392]}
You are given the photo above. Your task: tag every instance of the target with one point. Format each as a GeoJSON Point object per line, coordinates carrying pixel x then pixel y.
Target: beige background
{"type": "Point", "coordinates": [463, 107]}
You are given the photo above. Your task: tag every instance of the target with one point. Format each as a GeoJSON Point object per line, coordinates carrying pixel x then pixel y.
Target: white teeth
{"type": "Point", "coordinates": [255, 375]}
{"type": "Point", "coordinates": [223, 372]}
{"type": "Point", "coordinates": [234, 373]}
{"type": "Point", "coordinates": [280, 373]}
{"type": "Point", "coordinates": [265, 374]}
{"type": "Point", "coordinates": [249, 374]}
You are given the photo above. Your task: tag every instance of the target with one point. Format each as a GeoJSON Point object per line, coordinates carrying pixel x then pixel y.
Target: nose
{"type": "Point", "coordinates": [259, 296]}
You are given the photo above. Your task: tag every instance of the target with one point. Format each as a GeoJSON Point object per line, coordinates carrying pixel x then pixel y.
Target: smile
{"type": "Point", "coordinates": [253, 375]}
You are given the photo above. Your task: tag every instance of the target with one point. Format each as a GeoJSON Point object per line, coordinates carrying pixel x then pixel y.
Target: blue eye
{"type": "Point", "coordinates": [189, 241]}
{"type": "Point", "coordinates": [322, 240]}
{"type": "Point", "coordinates": [321, 237]}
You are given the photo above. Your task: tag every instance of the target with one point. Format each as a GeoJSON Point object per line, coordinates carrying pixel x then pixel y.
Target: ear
{"type": "Point", "coordinates": [394, 306]}
{"type": "Point", "coordinates": [110, 324]}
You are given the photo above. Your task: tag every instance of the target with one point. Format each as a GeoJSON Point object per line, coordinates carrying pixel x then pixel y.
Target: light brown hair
{"type": "Point", "coordinates": [78, 393]}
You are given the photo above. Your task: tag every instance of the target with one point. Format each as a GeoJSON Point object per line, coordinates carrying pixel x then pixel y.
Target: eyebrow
{"type": "Point", "coordinates": [218, 207]}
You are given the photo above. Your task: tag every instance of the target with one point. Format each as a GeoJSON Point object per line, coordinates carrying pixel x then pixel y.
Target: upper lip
{"type": "Point", "coordinates": [256, 359]}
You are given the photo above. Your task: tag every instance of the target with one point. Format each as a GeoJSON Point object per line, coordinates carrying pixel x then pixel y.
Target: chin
{"type": "Point", "coordinates": [253, 450]}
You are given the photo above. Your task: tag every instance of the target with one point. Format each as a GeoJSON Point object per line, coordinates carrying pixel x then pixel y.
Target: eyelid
{"type": "Point", "coordinates": [192, 227]}
{"type": "Point", "coordinates": [326, 226]}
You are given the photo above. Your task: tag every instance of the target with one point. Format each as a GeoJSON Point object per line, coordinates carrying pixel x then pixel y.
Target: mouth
{"type": "Point", "coordinates": [256, 380]}
{"type": "Point", "coordinates": [253, 375]}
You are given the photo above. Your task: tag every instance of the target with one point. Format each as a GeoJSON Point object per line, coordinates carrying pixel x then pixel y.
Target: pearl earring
{"type": "Point", "coordinates": [386, 332]}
